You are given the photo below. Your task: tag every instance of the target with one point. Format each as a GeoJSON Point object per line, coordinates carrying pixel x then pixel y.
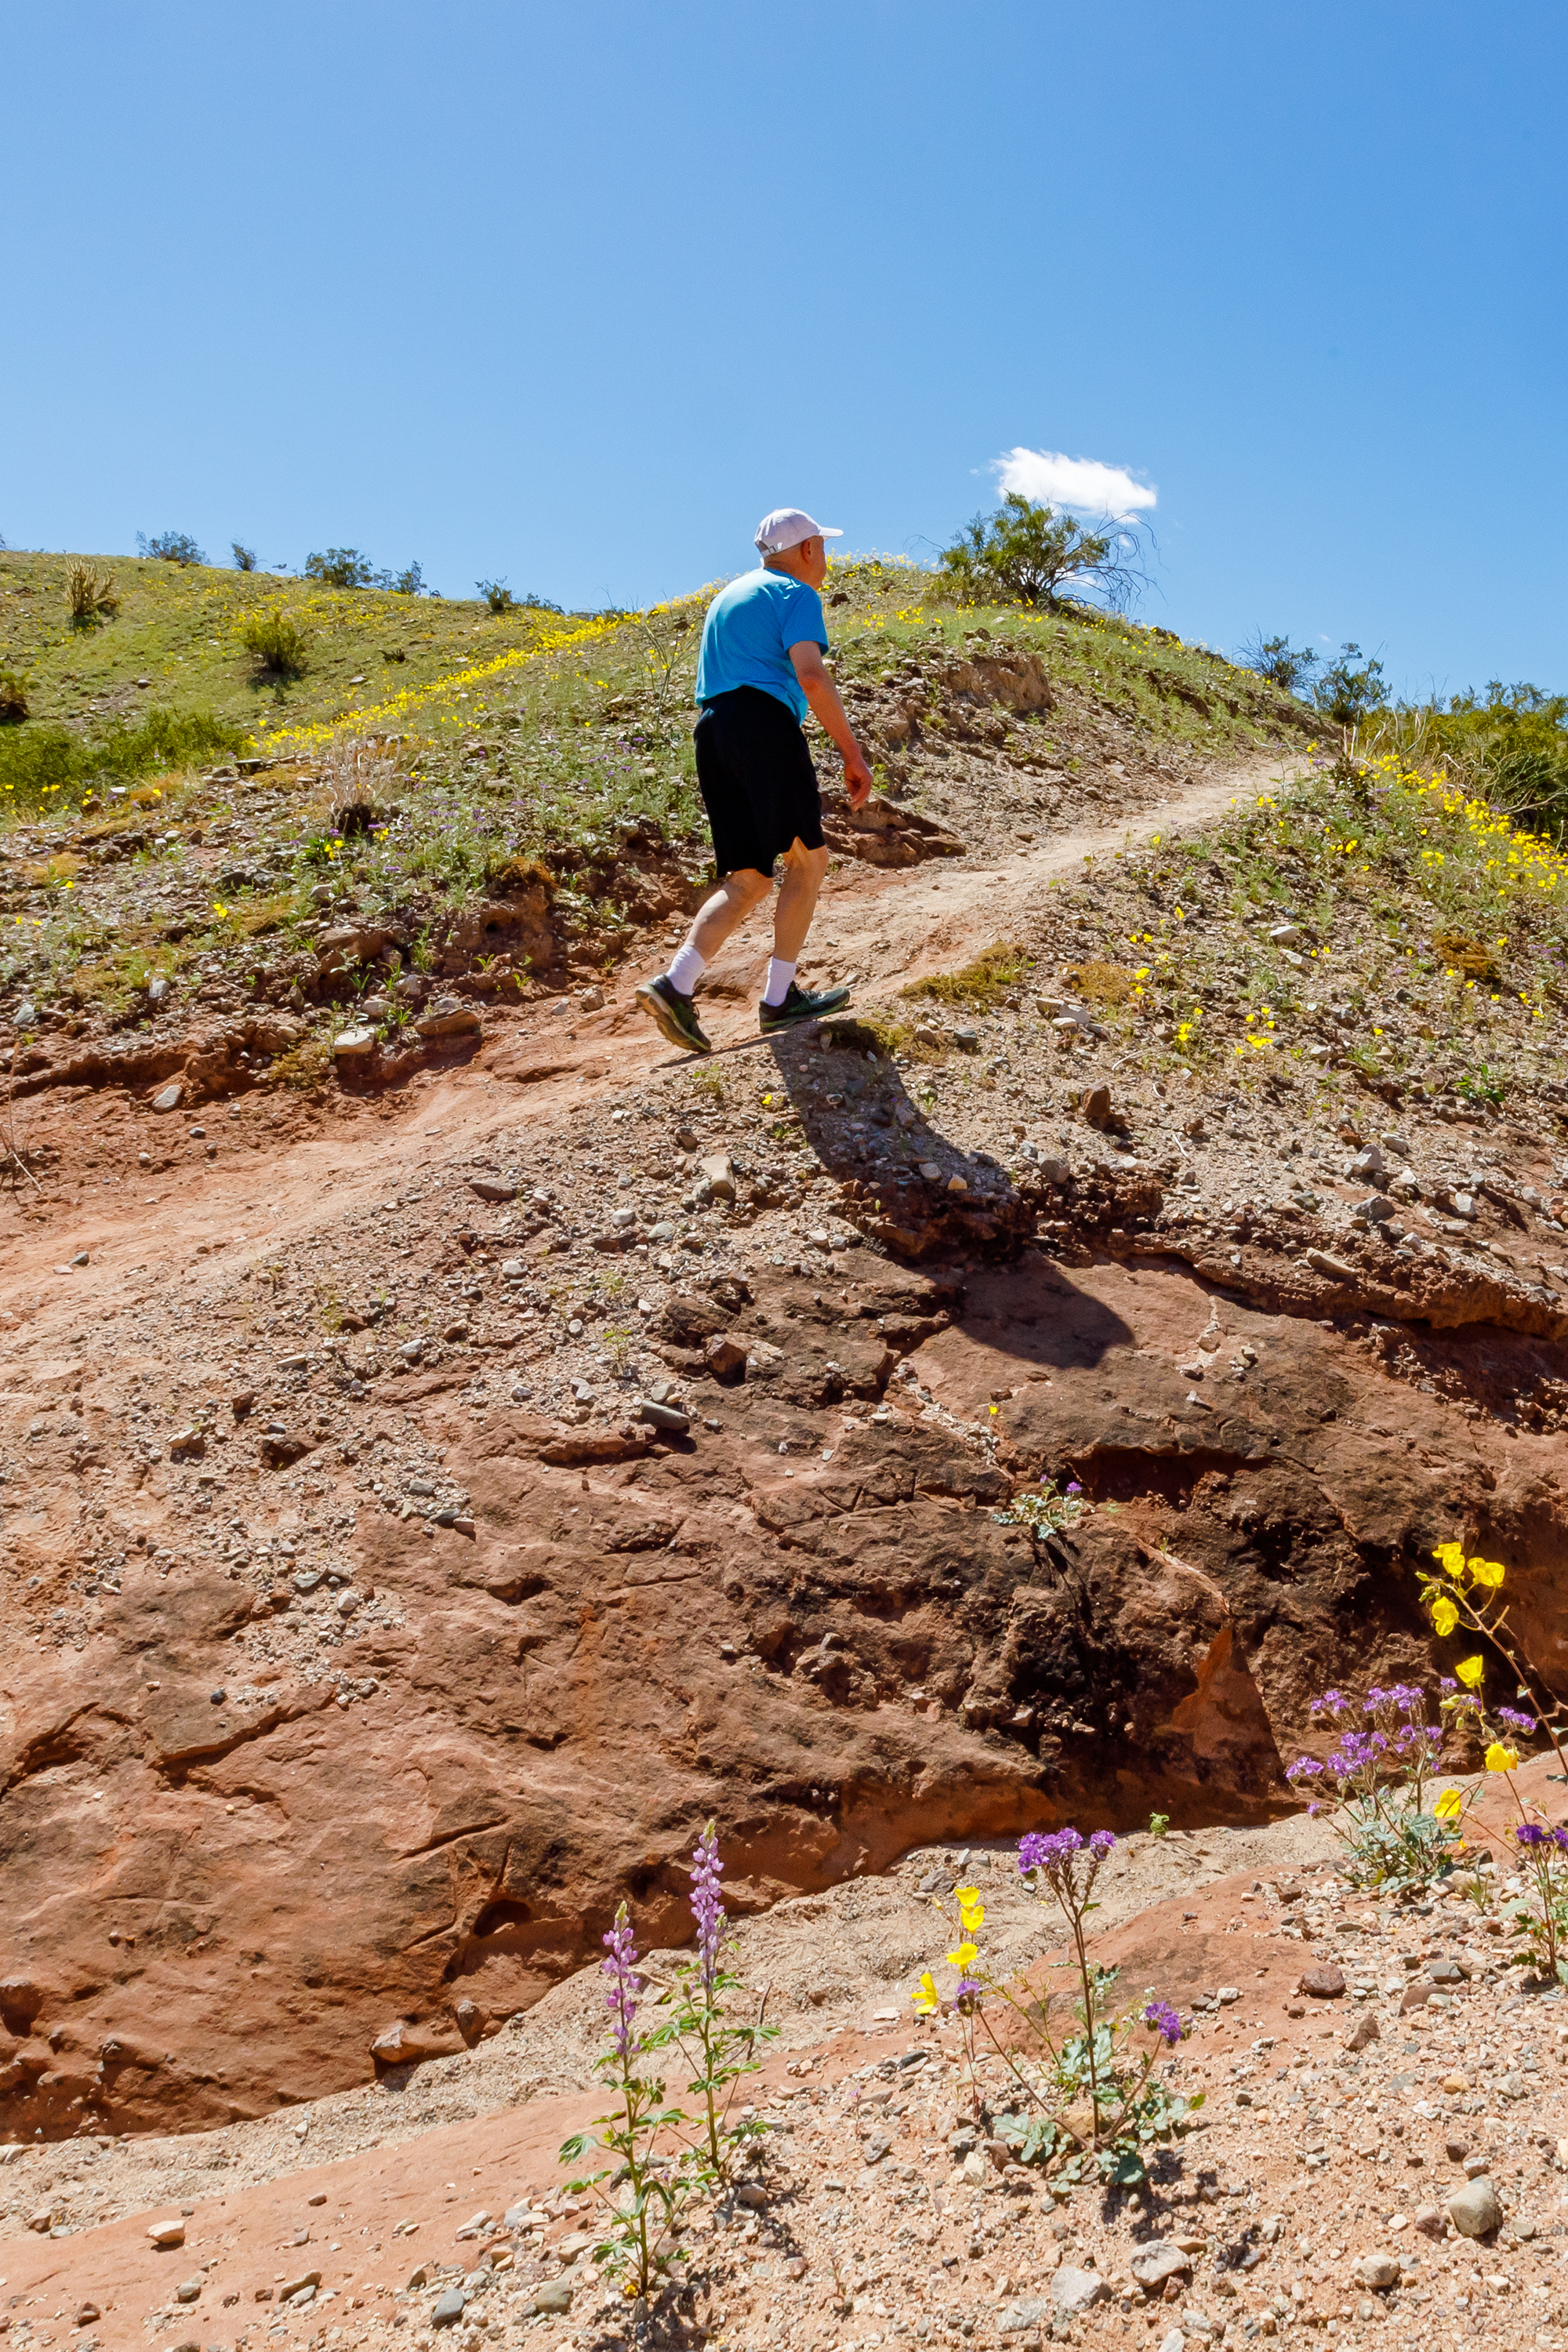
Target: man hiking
{"type": "Point", "coordinates": [760, 667]}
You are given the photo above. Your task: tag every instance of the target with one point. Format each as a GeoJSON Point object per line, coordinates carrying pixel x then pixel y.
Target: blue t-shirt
{"type": "Point", "coordinates": [749, 628]}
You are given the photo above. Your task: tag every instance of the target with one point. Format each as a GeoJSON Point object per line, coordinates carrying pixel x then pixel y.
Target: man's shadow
{"type": "Point", "coordinates": [898, 1170]}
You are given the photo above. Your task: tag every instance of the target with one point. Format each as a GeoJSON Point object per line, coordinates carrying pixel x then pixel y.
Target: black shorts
{"type": "Point", "coordinates": [757, 783]}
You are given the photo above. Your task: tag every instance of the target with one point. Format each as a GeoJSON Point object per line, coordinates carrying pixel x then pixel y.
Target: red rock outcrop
{"type": "Point", "coordinates": [822, 1633]}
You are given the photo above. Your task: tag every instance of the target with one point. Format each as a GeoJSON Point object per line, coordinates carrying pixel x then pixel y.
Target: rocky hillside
{"type": "Point", "coordinates": [451, 1448]}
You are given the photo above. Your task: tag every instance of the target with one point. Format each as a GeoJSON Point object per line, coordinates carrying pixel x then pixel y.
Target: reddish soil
{"type": "Point", "coordinates": [246, 1832]}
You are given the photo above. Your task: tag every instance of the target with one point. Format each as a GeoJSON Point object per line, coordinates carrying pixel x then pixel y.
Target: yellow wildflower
{"type": "Point", "coordinates": [1490, 1572]}
{"type": "Point", "coordinates": [1500, 1759]}
{"type": "Point", "coordinates": [963, 1957]}
{"type": "Point", "coordinates": [1449, 1805]}
{"type": "Point", "coordinates": [1445, 1617]}
{"type": "Point", "coordinates": [926, 2000]}
{"type": "Point", "coordinates": [1471, 1672]}
{"type": "Point", "coordinates": [1450, 1557]}
{"type": "Point", "coordinates": [971, 1910]}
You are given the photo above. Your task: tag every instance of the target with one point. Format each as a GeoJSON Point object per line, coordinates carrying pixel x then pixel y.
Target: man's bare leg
{"type": "Point", "coordinates": [724, 912]}
{"type": "Point", "coordinates": [804, 871]}
{"type": "Point", "coordinates": [666, 999]}
{"type": "Point", "coordinates": [783, 1002]}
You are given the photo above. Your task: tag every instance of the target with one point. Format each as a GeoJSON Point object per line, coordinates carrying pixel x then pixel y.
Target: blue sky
{"type": "Point", "coordinates": [571, 296]}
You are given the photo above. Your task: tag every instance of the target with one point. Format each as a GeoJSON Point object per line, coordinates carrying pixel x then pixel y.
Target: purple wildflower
{"type": "Point", "coordinates": [707, 1908]}
{"type": "Point", "coordinates": [1560, 1840]}
{"type": "Point", "coordinates": [967, 1989]}
{"type": "Point", "coordinates": [1514, 1719]}
{"type": "Point", "coordinates": [1305, 1768]}
{"type": "Point", "coordinates": [1164, 2019]}
{"type": "Point", "coordinates": [1447, 1683]}
{"type": "Point", "coordinates": [1100, 1844]}
{"type": "Point", "coordinates": [626, 1984]}
{"type": "Point", "coordinates": [1073, 1487]}
{"type": "Point", "coordinates": [1530, 1834]}
{"type": "Point", "coordinates": [1037, 1850]}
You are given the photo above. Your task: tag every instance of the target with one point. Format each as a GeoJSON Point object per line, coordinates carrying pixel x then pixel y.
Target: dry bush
{"type": "Point", "coordinates": [359, 772]}
{"type": "Point", "coordinates": [93, 596]}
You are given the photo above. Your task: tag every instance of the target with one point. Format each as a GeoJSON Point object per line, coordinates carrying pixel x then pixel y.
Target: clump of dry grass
{"type": "Point", "coordinates": [1102, 983]}
{"type": "Point", "coordinates": [359, 772]}
{"type": "Point", "coordinates": [91, 595]}
{"type": "Point", "coordinates": [994, 973]}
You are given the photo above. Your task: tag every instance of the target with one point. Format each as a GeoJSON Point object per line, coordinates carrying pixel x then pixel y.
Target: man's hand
{"type": "Point", "coordinates": [858, 779]}
{"type": "Point", "coordinates": [823, 696]}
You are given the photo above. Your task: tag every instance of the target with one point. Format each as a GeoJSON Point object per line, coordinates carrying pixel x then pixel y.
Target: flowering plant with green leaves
{"type": "Point", "coordinates": [1090, 2096]}
{"type": "Point", "coordinates": [1376, 1780]}
{"type": "Point", "coordinates": [1466, 1589]}
{"type": "Point", "coordinates": [641, 2192]}
{"type": "Point", "coordinates": [1044, 1511]}
{"type": "Point", "coordinates": [721, 2049]}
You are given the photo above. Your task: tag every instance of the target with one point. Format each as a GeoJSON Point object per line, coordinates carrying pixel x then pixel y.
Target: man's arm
{"type": "Point", "coordinates": [823, 696]}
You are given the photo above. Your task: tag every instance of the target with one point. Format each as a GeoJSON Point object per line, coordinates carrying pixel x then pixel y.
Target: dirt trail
{"type": "Point", "coordinates": [885, 928]}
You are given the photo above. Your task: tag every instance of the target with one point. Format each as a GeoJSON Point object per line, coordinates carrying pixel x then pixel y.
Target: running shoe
{"type": "Point", "coordinates": [799, 1007]}
{"type": "Point", "coordinates": [673, 1014]}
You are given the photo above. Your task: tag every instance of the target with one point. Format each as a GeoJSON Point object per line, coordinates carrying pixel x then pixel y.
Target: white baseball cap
{"type": "Point", "coordinates": [786, 527]}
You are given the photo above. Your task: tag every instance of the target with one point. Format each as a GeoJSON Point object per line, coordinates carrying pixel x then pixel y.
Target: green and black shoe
{"type": "Point", "coordinates": [673, 1014]}
{"type": "Point", "coordinates": [799, 1007]}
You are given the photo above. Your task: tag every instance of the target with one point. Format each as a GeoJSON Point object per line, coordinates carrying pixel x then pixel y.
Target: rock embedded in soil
{"type": "Point", "coordinates": [1322, 1983]}
{"type": "Point", "coordinates": [1075, 2291]}
{"type": "Point", "coordinates": [1475, 2210]}
{"type": "Point", "coordinates": [1157, 2260]}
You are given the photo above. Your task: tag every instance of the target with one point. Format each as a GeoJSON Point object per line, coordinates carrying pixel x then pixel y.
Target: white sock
{"type": "Point", "coordinates": [780, 974]}
{"type": "Point", "coordinates": [685, 969]}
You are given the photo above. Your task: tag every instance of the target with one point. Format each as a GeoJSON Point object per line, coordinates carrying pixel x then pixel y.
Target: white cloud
{"type": "Point", "coordinates": [1081, 483]}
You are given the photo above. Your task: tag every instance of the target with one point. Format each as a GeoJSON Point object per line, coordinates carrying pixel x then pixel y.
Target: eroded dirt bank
{"type": "Point", "coordinates": [369, 1636]}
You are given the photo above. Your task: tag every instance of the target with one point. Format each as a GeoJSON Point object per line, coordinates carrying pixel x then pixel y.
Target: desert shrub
{"type": "Point", "coordinates": [347, 567]}
{"type": "Point", "coordinates": [91, 595]}
{"type": "Point", "coordinates": [1026, 553]}
{"type": "Point", "coordinates": [164, 740]}
{"type": "Point", "coordinates": [13, 698]}
{"type": "Point", "coordinates": [244, 557]}
{"type": "Point", "coordinates": [1509, 745]}
{"type": "Point", "coordinates": [341, 567]}
{"type": "Point", "coordinates": [1350, 686]}
{"type": "Point", "coordinates": [499, 599]}
{"type": "Point", "coordinates": [170, 546]}
{"type": "Point", "coordinates": [276, 643]}
{"type": "Point", "coordinates": [42, 762]}
{"type": "Point", "coordinates": [1281, 663]}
